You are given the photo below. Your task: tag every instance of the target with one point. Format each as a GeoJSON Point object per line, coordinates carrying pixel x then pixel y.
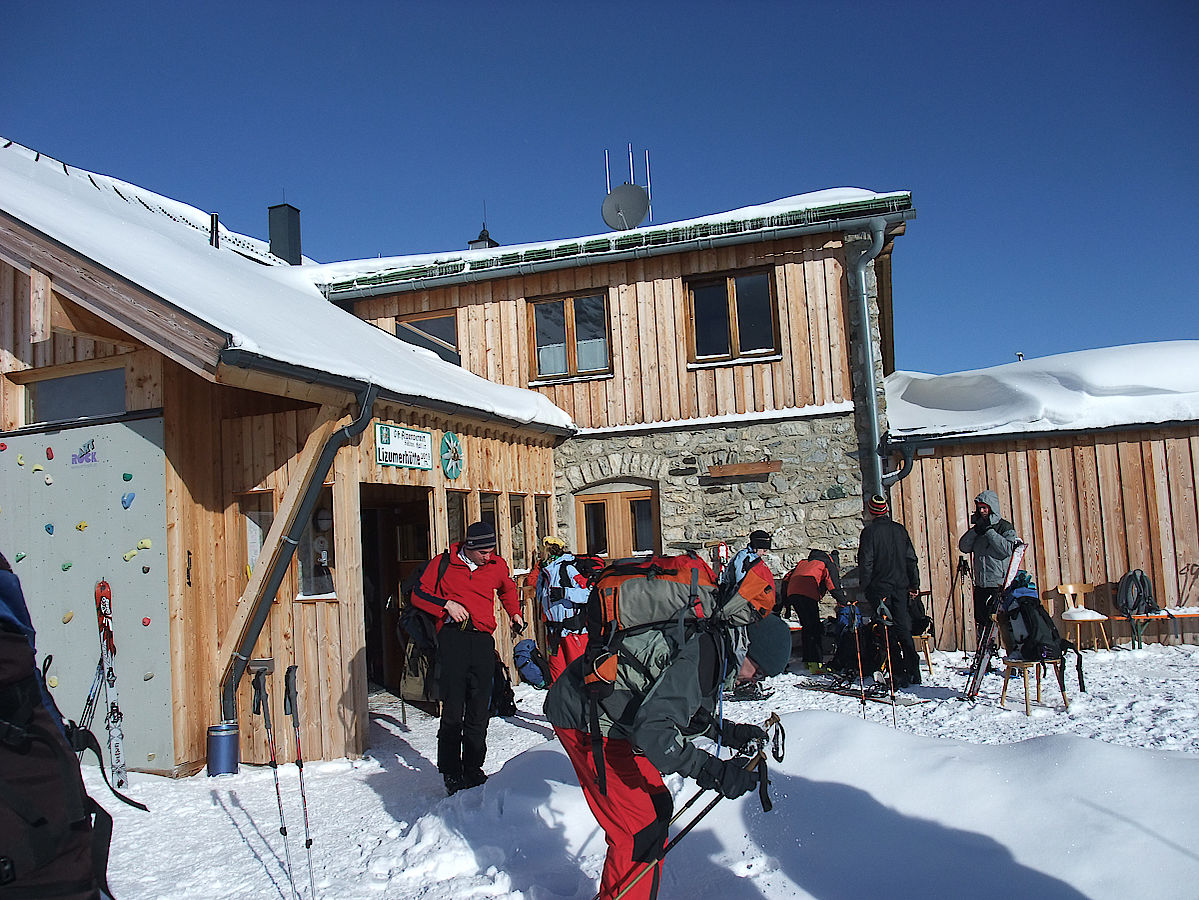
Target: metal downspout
{"type": "Point", "coordinates": [274, 578]}
{"type": "Point", "coordinates": [872, 479]}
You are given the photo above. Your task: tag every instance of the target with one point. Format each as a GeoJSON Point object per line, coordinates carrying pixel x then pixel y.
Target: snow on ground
{"type": "Point", "coordinates": [961, 799]}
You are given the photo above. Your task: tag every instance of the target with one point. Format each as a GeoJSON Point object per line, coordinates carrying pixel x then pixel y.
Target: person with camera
{"type": "Point", "coordinates": [990, 541]}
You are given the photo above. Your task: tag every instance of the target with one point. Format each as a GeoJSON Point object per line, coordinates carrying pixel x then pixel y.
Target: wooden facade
{"type": "Point", "coordinates": [652, 379]}
{"type": "Point", "coordinates": [225, 443]}
{"type": "Point", "coordinates": [1091, 507]}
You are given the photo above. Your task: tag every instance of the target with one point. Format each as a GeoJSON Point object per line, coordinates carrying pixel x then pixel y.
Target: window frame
{"type": "Point", "coordinates": [735, 354]}
{"type": "Point", "coordinates": [572, 345]}
{"type": "Point", "coordinates": [409, 320]}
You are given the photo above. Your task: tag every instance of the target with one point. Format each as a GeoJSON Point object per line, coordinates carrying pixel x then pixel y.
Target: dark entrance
{"type": "Point", "coordinates": [395, 540]}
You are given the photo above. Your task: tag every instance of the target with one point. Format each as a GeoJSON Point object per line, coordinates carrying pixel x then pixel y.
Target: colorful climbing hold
{"type": "Point", "coordinates": [128, 556]}
{"type": "Point", "coordinates": [52, 681]}
{"type": "Point", "coordinates": [81, 525]}
{"type": "Point", "coordinates": [49, 479]}
{"type": "Point", "coordinates": [49, 528]}
{"type": "Point", "coordinates": [143, 544]}
{"type": "Point", "coordinates": [38, 467]}
{"type": "Point", "coordinates": [128, 476]}
{"type": "Point", "coordinates": [127, 499]}
{"type": "Point", "coordinates": [49, 453]}
{"type": "Point", "coordinates": [67, 617]}
{"type": "Point", "coordinates": [66, 566]}
{"type": "Point", "coordinates": [145, 620]}
{"type": "Point", "coordinates": [3, 446]}
{"type": "Point", "coordinates": [20, 556]}
{"type": "Point", "coordinates": [145, 570]}
{"type": "Point", "coordinates": [20, 459]}
{"type": "Point", "coordinates": [147, 676]}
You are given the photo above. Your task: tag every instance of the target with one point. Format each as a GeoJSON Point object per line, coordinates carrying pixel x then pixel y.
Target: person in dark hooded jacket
{"type": "Point", "coordinates": [990, 540]}
{"type": "Point", "coordinates": [890, 577]}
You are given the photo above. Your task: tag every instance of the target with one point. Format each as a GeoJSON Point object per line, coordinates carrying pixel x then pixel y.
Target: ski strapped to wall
{"type": "Point", "coordinates": [112, 716]}
{"type": "Point", "coordinates": [987, 640]}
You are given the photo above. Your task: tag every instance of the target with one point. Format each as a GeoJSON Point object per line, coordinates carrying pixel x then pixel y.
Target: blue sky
{"type": "Point", "coordinates": [1051, 148]}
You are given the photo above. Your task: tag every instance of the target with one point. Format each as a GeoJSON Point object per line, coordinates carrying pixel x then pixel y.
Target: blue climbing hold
{"type": "Point", "coordinates": [49, 528]}
{"type": "Point", "coordinates": [127, 499]}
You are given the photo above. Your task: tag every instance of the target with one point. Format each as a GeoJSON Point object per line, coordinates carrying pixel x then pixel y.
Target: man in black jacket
{"type": "Point", "coordinates": [890, 576]}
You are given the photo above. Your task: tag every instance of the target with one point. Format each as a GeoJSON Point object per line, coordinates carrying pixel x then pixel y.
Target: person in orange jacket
{"type": "Point", "coordinates": [803, 587]}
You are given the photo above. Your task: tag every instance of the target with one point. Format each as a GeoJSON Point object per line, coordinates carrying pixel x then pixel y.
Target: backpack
{"type": "Point", "coordinates": [1134, 595]}
{"type": "Point", "coordinates": [1028, 628]}
{"type": "Point", "coordinates": [563, 585]}
{"type": "Point", "coordinates": [55, 837]}
{"type": "Point", "coordinates": [420, 676]}
{"type": "Point", "coordinates": [503, 700]}
{"type": "Point", "coordinates": [531, 663]}
{"type": "Point", "coordinates": [852, 637]}
{"type": "Point", "coordinates": [641, 611]}
{"type": "Point", "coordinates": [922, 622]}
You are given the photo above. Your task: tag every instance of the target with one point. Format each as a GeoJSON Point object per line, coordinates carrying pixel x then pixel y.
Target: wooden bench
{"type": "Point", "coordinates": [1140, 624]}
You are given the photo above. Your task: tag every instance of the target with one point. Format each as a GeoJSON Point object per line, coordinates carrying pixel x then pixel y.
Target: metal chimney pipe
{"type": "Point", "coordinates": [284, 227]}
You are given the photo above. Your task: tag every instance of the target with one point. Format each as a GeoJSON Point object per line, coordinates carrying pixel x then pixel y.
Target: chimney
{"type": "Point", "coordinates": [483, 241]}
{"type": "Point", "coordinates": [284, 224]}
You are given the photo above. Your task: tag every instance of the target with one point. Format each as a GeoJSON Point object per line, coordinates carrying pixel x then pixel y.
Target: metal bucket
{"type": "Point", "coordinates": [223, 749]}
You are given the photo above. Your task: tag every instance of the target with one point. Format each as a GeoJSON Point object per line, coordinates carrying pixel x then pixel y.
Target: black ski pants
{"type": "Point", "coordinates": [467, 665]}
{"type": "Point", "coordinates": [905, 663]}
{"type": "Point", "coordinates": [986, 603]}
{"type": "Point", "coordinates": [812, 636]}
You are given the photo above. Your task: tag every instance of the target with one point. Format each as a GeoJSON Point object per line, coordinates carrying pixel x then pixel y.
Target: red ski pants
{"type": "Point", "coordinates": [570, 648]}
{"type": "Point", "coordinates": [635, 813]}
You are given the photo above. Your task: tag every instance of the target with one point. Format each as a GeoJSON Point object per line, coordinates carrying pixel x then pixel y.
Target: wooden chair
{"type": "Point", "coordinates": [1077, 615]}
{"type": "Point", "coordinates": [921, 641]}
{"type": "Point", "coordinates": [1022, 666]}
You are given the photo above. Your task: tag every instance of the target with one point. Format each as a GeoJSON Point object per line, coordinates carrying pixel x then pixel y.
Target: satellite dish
{"type": "Point", "coordinates": [625, 207]}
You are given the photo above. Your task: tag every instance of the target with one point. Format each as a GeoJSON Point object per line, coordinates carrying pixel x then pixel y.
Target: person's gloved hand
{"type": "Point", "coordinates": [726, 778]}
{"type": "Point", "coordinates": [982, 524]}
{"type": "Point", "coordinates": [738, 736]}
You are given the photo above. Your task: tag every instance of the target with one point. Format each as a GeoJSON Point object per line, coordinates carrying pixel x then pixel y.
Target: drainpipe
{"type": "Point", "coordinates": [872, 479]}
{"type": "Point", "coordinates": [274, 578]}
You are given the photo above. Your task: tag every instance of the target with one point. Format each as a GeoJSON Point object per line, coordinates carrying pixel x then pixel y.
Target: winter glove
{"type": "Point", "coordinates": [739, 737]}
{"type": "Point", "coordinates": [982, 524]}
{"type": "Point", "coordinates": [726, 778]}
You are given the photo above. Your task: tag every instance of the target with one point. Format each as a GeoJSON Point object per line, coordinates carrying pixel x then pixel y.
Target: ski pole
{"type": "Point", "coordinates": [89, 706]}
{"type": "Point", "coordinates": [262, 705]}
{"type": "Point", "coordinates": [857, 639]}
{"type": "Point", "coordinates": [647, 867]}
{"type": "Point", "coordinates": [291, 707]}
{"type": "Point", "coordinates": [884, 615]}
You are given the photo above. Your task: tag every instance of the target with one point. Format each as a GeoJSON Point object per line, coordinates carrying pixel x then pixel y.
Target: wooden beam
{"type": "Point", "coordinates": [758, 468]}
{"type": "Point", "coordinates": [329, 419]}
{"type": "Point", "coordinates": [68, 317]}
{"type": "Point", "coordinates": [39, 306]}
{"type": "Point", "coordinates": [267, 383]}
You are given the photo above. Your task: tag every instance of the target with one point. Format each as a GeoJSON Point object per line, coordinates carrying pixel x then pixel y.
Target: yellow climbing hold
{"type": "Point", "coordinates": [38, 468]}
{"type": "Point", "coordinates": [52, 681]}
{"type": "Point", "coordinates": [82, 525]}
{"type": "Point", "coordinates": [143, 544]}
{"type": "Point", "coordinates": [128, 556]}
{"type": "Point", "coordinates": [67, 617]}
{"type": "Point", "coordinates": [20, 459]}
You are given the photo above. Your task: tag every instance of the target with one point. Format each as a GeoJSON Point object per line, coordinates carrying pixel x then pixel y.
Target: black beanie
{"type": "Point", "coordinates": [759, 540]}
{"type": "Point", "coordinates": [769, 645]}
{"type": "Point", "coordinates": [479, 536]}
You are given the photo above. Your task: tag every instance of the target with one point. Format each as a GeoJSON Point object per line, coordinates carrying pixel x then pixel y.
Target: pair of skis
{"type": "Point", "coordinates": [876, 693]}
{"type": "Point", "coordinates": [106, 680]}
{"type": "Point", "coordinates": [291, 707]}
{"type": "Point", "coordinates": [987, 640]}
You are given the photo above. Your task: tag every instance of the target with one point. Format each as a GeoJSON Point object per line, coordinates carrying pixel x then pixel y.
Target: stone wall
{"type": "Point", "coordinates": [814, 501]}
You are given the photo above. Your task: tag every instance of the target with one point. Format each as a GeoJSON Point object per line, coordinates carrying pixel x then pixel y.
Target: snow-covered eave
{"type": "Point", "coordinates": [254, 362]}
{"type": "Point", "coordinates": [437, 270]}
{"type": "Point", "coordinates": [1032, 432]}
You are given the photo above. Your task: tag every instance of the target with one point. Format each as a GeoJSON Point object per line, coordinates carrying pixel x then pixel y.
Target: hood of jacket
{"type": "Point", "coordinates": [992, 500]}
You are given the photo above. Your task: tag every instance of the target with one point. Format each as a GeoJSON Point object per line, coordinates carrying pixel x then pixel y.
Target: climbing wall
{"type": "Point", "coordinates": [79, 506]}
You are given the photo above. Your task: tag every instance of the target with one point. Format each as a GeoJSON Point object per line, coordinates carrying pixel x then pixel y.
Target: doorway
{"type": "Point", "coordinates": [395, 541]}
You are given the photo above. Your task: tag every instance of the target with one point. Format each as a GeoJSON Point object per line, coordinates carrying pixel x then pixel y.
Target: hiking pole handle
{"type": "Point", "coordinates": [290, 705]}
{"type": "Point", "coordinates": [259, 691]}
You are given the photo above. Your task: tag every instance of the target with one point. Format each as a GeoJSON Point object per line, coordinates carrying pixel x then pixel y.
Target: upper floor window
{"type": "Point", "coordinates": [570, 337]}
{"type": "Point", "coordinates": [733, 316]}
{"type": "Point", "coordinates": [87, 394]}
{"type": "Point", "coordinates": [438, 333]}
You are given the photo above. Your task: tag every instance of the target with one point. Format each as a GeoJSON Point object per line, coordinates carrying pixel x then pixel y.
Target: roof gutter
{"type": "Point", "coordinates": [274, 578]}
{"type": "Point", "coordinates": [872, 479]}
{"type": "Point", "coordinates": [243, 359]}
{"type": "Point", "coordinates": [775, 233]}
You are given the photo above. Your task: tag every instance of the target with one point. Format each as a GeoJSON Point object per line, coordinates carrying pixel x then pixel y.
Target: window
{"type": "Point", "coordinates": [436, 333]}
{"type": "Point", "coordinates": [541, 509]}
{"type": "Point", "coordinates": [516, 522]}
{"type": "Point", "coordinates": [257, 511]}
{"type": "Point", "coordinates": [595, 526]}
{"type": "Point", "coordinates": [570, 337]}
{"type": "Point", "coordinates": [87, 394]}
{"type": "Point", "coordinates": [733, 317]}
{"type": "Point", "coordinates": [618, 520]}
{"type": "Point", "coordinates": [489, 512]}
{"type": "Point", "coordinates": [455, 509]}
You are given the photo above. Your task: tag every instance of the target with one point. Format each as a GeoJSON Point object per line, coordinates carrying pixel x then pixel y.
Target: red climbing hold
{"type": "Point", "coordinates": [146, 620]}
{"type": "Point", "coordinates": [49, 453]}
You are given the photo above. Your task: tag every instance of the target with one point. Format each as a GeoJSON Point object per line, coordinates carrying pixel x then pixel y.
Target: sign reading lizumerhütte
{"type": "Point", "coordinates": [404, 447]}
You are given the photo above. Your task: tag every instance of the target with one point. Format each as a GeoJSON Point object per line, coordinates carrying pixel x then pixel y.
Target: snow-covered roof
{"type": "Point", "coordinates": [266, 309]}
{"type": "Point", "coordinates": [1134, 384]}
{"type": "Point", "coordinates": [827, 206]}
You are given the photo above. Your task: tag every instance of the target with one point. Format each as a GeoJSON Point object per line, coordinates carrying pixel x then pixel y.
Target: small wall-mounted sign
{"type": "Point", "coordinates": [403, 447]}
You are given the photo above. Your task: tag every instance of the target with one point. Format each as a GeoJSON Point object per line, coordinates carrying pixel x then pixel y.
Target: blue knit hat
{"type": "Point", "coordinates": [769, 645]}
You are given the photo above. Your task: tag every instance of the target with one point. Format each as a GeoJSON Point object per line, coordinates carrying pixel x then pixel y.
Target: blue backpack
{"type": "Point", "coordinates": [531, 664]}
{"type": "Point", "coordinates": [563, 585]}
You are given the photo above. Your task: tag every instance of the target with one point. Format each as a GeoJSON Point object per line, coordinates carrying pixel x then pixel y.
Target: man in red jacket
{"type": "Point", "coordinates": [803, 587]}
{"type": "Point", "coordinates": [461, 593]}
